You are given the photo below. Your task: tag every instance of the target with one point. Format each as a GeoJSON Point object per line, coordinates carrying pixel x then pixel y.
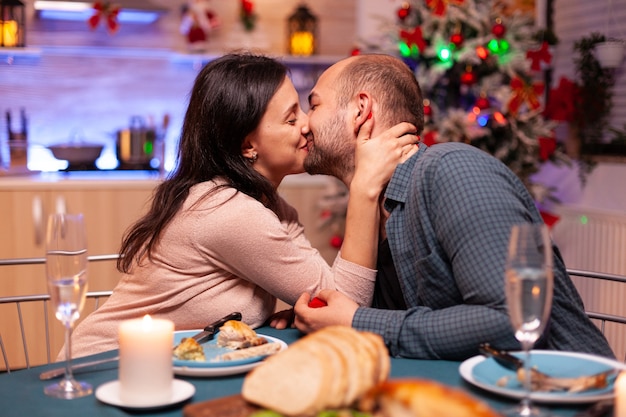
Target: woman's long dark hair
{"type": "Point", "coordinates": [228, 100]}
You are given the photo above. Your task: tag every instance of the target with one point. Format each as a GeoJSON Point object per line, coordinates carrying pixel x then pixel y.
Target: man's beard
{"type": "Point", "coordinates": [332, 152]}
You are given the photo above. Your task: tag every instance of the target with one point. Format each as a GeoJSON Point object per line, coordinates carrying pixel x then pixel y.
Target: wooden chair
{"type": "Point", "coordinates": [29, 321]}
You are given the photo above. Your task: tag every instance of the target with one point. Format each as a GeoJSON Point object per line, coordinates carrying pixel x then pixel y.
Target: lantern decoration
{"type": "Point", "coordinates": [302, 28]}
{"type": "Point", "coordinates": [12, 24]}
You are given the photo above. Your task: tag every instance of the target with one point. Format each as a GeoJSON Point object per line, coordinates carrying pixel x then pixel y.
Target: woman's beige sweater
{"type": "Point", "coordinates": [227, 253]}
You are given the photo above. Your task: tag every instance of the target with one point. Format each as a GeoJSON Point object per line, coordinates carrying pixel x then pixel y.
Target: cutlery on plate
{"type": "Point", "coordinates": [209, 331]}
{"type": "Point", "coordinates": [53, 373]}
{"type": "Point", "coordinates": [543, 381]}
{"type": "Point", "coordinates": [502, 357]}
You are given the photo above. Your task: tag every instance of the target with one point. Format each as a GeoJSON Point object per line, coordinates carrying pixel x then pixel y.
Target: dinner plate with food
{"type": "Point", "coordinates": [236, 348]}
{"type": "Point", "coordinates": [564, 377]}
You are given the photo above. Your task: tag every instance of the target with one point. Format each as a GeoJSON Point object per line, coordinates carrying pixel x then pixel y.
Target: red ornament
{"type": "Point", "coordinates": [428, 111]}
{"type": "Point", "coordinates": [482, 102]}
{"type": "Point", "coordinates": [429, 138]}
{"type": "Point", "coordinates": [404, 11]}
{"type": "Point", "coordinates": [355, 52]}
{"type": "Point", "coordinates": [336, 241]}
{"type": "Point", "coordinates": [468, 77]}
{"type": "Point", "coordinates": [457, 40]}
{"type": "Point", "coordinates": [498, 29]}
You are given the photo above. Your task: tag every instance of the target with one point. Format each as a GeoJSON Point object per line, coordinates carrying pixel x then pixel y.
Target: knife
{"type": "Point", "coordinates": [209, 331]}
{"type": "Point", "coordinates": [503, 358]}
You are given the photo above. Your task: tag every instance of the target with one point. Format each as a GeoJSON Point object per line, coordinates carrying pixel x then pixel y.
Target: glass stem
{"type": "Point", "coordinates": [68, 351]}
{"type": "Point", "coordinates": [525, 406]}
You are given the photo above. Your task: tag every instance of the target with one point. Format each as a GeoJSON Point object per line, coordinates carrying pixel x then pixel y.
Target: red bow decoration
{"type": "Point", "coordinates": [524, 93]}
{"type": "Point", "coordinates": [440, 7]}
{"type": "Point", "coordinates": [540, 55]}
{"type": "Point", "coordinates": [106, 11]}
{"type": "Point", "coordinates": [414, 38]}
{"type": "Point", "coordinates": [562, 101]}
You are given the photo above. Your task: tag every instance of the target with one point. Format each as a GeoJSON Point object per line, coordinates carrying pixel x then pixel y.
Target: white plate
{"type": "Point", "coordinates": [485, 372]}
{"type": "Point", "coordinates": [109, 393]}
{"type": "Point", "coordinates": [211, 350]}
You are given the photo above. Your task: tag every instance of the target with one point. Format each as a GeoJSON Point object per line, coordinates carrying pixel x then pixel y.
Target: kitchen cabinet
{"type": "Point", "coordinates": [109, 208]}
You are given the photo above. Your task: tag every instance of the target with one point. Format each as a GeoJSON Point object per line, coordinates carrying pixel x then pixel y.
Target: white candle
{"type": "Point", "coordinates": [145, 367]}
{"type": "Point", "coordinates": [620, 395]}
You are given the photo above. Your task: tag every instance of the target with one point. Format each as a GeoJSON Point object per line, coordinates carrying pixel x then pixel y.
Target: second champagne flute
{"type": "Point", "coordinates": [528, 287]}
{"type": "Point", "coordinates": [66, 270]}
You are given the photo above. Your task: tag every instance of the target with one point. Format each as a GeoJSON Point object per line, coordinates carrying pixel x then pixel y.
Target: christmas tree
{"type": "Point", "coordinates": [481, 69]}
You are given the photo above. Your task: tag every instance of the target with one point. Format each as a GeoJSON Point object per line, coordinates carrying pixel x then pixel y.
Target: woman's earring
{"type": "Point", "coordinates": [253, 158]}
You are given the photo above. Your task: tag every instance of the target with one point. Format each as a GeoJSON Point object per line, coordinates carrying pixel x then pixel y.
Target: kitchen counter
{"type": "Point", "coordinates": [128, 179]}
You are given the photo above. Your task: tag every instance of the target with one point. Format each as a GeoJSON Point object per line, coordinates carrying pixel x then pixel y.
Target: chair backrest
{"type": "Point", "coordinates": [27, 337]}
{"type": "Point", "coordinates": [593, 288]}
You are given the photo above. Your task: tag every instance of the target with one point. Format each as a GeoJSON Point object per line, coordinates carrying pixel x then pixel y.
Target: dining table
{"type": "Point", "coordinates": [22, 391]}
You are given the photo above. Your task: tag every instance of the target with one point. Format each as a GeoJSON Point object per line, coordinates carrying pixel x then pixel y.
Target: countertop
{"type": "Point", "coordinates": [107, 179]}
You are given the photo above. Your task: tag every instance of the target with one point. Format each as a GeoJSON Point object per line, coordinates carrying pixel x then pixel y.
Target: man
{"type": "Point", "coordinates": [450, 209]}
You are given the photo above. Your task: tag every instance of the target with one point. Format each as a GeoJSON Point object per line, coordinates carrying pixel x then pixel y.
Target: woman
{"type": "Point", "coordinates": [218, 237]}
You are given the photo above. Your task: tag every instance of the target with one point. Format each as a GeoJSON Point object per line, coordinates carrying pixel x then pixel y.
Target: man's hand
{"type": "Point", "coordinates": [339, 311]}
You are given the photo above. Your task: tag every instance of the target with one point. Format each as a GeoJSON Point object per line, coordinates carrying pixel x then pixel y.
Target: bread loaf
{"type": "Point", "coordinates": [330, 368]}
{"type": "Point", "coordinates": [421, 398]}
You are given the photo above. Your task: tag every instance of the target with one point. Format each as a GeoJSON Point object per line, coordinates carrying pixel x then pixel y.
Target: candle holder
{"type": "Point", "coordinates": [12, 24]}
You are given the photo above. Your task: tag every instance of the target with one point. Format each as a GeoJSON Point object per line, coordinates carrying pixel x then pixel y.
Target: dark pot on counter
{"type": "Point", "coordinates": [136, 145]}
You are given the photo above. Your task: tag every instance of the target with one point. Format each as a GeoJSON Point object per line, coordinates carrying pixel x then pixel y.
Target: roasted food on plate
{"type": "Point", "coordinates": [189, 350]}
{"type": "Point", "coordinates": [251, 352]}
{"type": "Point", "coordinates": [421, 398]}
{"type": "Point", "coordinates": [238, 335]}
{"type": "Point", "coordinates": [542, 382]}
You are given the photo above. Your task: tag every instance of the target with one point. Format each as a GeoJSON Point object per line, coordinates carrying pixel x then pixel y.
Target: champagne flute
{"type": "Point", "coordinates": [529, 282]}
{"type": "Point", "coordinates": [66, 271]}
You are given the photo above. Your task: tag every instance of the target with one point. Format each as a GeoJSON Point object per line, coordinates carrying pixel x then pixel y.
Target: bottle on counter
{"type": "Point", "coordinates": [18, 140]}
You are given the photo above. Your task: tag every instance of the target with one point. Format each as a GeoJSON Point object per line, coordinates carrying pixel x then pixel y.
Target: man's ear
{"type": "Point", "coordinates": [364, 108]}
